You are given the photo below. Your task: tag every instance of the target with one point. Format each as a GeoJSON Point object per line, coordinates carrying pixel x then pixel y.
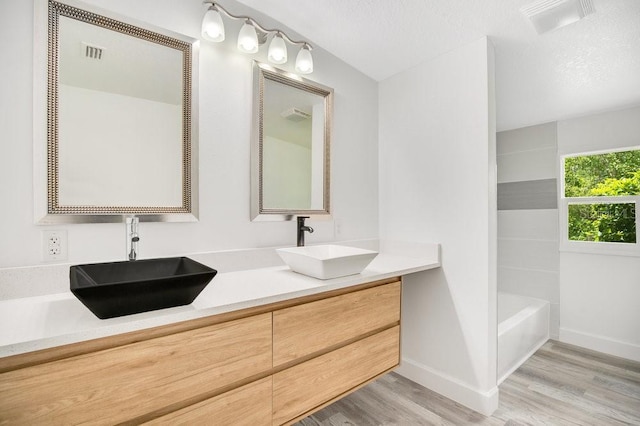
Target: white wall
{"type": "Point", "coordinates": [528, 256]}
{"type": "Point", "coordinates": [225, 118]}
{"type": "Point", "coordinates": [600, 295]}
{"type": "Point", "coordinates": [437, 183]}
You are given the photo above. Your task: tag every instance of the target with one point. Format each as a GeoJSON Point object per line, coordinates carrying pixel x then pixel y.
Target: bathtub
{"type": "Point", "coordinates": [523, 327]}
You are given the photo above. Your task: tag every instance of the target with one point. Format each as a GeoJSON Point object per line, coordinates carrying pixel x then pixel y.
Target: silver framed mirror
{"type": "Point", "coordinates": [290, 149]}
{"type": "Point", "coordinates": [115, 118]}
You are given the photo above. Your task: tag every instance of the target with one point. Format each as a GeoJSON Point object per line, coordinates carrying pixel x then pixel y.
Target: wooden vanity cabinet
{"type": "Point", "coordinates": [304, 329]}
{"type": "Point", "coordinates": [302, 389]}
{"type": "Point", "coordinates": [248, 405]}
{"type": "Point", "coordinates": [138, 381]}
{"type": "Point", "coordinates": [331, 347]}
{"type": "Point", "coordinates": [267, 365]}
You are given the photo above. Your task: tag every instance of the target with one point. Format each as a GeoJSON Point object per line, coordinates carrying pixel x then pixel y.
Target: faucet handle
{"type": "Point", "coordinates": [302, 229]}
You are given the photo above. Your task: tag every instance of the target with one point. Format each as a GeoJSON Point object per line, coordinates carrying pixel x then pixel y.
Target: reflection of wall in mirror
{"type": "Point", "coordinates": [128, 65]}
{"type": "Point", "coordinates": [98, 160]}
{"type": "Point", "coordinates": [286, 175]}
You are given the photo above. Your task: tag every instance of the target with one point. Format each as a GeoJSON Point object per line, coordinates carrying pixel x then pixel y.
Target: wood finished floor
{"type": "Point", "coordinates": [559, 385]}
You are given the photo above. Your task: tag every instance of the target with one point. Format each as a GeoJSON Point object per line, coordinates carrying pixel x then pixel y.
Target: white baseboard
{"type": "Point", "coordinates": [482, 402]}
{"type": "Point", "coordinates": [601, 344]}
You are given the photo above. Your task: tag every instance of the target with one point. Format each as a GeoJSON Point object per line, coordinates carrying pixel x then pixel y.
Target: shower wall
{"type": "Point", "coordinates": [528, 256]}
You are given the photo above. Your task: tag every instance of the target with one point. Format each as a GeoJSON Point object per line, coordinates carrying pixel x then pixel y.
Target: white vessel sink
{"type": "Point", "coordinates": [326, 261]}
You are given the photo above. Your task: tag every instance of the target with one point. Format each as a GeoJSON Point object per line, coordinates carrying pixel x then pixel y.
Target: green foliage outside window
{"type": "Point", "coordinates": [612, 223]}
{"type": "Point", "coordinates": [612, 174]}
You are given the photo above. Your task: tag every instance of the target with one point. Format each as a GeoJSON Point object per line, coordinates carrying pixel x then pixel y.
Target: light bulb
{"type": "Point", "coordinates": [248, 39]}
{"type": "Point", "coordinates": [304, 61]}
{"type": "Point", "coordinates": [212, 26]}
{"type": "Point", "coordinates": [277, 50]}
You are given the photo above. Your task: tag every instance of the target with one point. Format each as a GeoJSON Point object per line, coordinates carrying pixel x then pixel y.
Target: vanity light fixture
{"type": "Point", "coordinates": [252, 35]}
{"type": "Point", "coordinates": [277, 50]}
{"type": "Point", "coordinates": [304, 61]}
{"type": "Point", "coordinates": [212, 26]}
{"type": "Point", "coordinates": [248, 38]}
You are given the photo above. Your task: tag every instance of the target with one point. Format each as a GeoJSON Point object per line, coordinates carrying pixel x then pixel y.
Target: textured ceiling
{"type": "Point", "coordinates": [590, 66]}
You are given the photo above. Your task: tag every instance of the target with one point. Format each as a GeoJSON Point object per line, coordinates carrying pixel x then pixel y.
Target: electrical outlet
{"type": "Point", "coordinates": [54, 245]}
{"type": "Point", "coordinates": [337, 227]}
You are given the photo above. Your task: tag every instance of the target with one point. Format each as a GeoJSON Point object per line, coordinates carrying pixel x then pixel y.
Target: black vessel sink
{"type": "Point", "coordinates": [122, 288]}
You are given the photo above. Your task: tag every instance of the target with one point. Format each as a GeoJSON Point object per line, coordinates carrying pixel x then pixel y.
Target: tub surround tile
{"type": "Point", "coordinates": [527, 138]}
{"type": "Point", "coordinates": [527, 165]}
{"type": "Point", "coordinates": [529, 254]}
{"type": "Point", "coordinates": [531, 283]}
{"type": "Point", "coordinates": [527, 154]}
{"type": "Point", "coordinates": [528, 231]}
{"type": "Point", "coordinates": [534, 194]}
{"type": "Point", "coordinates": [528, 224]}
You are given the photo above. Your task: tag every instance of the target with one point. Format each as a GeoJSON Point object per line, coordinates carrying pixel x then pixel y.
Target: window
{"type": "Point", "coordinates": [599, 198]}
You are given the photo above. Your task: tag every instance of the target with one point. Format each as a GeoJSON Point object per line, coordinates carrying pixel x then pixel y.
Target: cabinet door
{"type": "Point", "coordinates": [304, 388]}
{"type": "Point", "coordinates": [127, 383]}
{"type": "Point", "coordinates": [304, 329]}
{"type": "Point", "coordinates": [248, 405]}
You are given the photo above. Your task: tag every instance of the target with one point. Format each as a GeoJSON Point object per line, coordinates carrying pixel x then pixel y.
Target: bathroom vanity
{"type": "Point", "coordinates": [271, 364]}
{"type": "Point", "coordinates": [258, 346]}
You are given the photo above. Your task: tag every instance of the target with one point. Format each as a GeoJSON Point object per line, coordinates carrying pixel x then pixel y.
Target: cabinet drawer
{"type": "Point", "coordinates": [304, 329]}
{"type": "Point", "coordinates": [248, 405]}
{"type": "Point", "coordinates": [303, 388]}
{"type": "Point", "coordinates": [128, 382]}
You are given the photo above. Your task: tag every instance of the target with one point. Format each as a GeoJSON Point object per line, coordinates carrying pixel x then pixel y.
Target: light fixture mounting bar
{"type": "Point", "coordinates": [217, 6]}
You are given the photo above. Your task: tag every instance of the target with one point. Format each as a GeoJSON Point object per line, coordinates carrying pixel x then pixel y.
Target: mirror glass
{"type": "Point", "coordinates": [291, 145]}
{"type": "Point", "coordinates": [120, 137]}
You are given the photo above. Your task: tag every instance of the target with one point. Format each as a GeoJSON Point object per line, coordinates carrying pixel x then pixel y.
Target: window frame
{"type": "Point", "coordinates": [594, 247]}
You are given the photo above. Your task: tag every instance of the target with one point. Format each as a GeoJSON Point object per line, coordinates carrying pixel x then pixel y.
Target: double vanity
{"type": "Point", "coordinates": [257, 346]}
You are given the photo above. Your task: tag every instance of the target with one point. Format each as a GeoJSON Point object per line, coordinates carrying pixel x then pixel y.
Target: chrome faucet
{"type": "Point", "coordinates": [302, 229]}
{"type": "Point", "coordinates": [132, 237]}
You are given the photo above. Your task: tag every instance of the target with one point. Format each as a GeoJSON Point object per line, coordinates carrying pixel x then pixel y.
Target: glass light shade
{"type": "Point", "coordinates": [304, 61]}
{"type": "Point", "coordinates": [212, 26]}
{"type": "Point", "coordinates": [277, 50]}
{"type": "Point", "coordinates": [248, 39]}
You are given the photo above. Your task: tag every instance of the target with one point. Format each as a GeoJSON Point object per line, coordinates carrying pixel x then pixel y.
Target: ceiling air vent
{"type": "Point", "coordinates": [548, 15]}
{"type": "Point", "coordinates": [92, 52]}
{"type": "Point", "coordinates": [295, 114]}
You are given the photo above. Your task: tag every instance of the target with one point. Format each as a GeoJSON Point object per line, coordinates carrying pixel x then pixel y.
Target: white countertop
{"type": "Point", "coordinates": [32, 323]}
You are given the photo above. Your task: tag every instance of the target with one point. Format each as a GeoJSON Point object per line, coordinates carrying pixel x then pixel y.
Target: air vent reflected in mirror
{"type": "Point", "coordinates": [92, 52]}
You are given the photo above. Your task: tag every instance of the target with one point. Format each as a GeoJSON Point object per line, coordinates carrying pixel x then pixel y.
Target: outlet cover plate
{"type": "Point", "coordinates": [54, 245]}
